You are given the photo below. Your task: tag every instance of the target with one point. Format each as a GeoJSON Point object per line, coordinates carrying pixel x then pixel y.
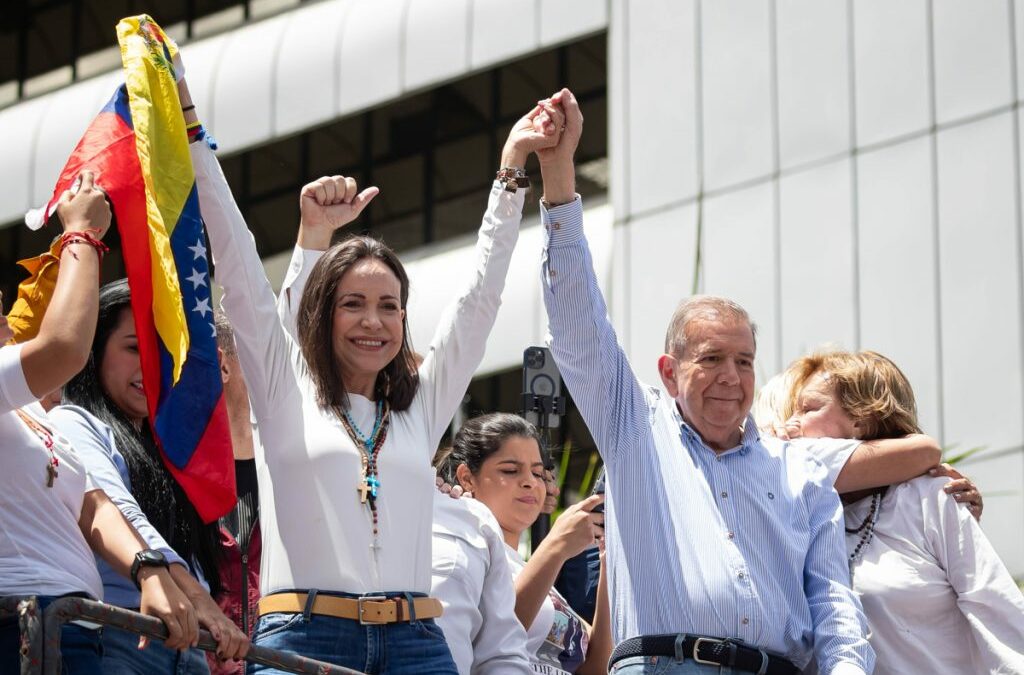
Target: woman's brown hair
{"type": "Point", "coordinates": [398, 381]}
{"type": "Point", "coordinates": [870, 388]}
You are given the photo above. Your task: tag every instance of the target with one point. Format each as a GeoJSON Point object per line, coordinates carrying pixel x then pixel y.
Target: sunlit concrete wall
{"type": "Point", "coordinates": [855, 170]}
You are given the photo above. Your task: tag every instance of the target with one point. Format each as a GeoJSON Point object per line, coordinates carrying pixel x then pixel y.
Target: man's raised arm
{"type": "Point", "coordinates": [583, 341]}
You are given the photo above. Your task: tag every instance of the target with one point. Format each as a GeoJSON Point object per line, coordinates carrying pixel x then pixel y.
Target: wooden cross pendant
{"type": "Point", "coordinates": [364, 491]}
{"type": "Point", "coordinates": [51, 474]}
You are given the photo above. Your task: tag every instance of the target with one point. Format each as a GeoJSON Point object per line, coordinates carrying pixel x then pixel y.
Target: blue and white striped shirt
{"type": "Point", "coordinates": [745, 544]}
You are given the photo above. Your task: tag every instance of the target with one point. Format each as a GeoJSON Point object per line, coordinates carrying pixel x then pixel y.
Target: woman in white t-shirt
{"type": "Point", "coordinates": [51, 513]}
{"type": "Point", "coordinates": [497, 458]}
{"type": "Point", "coordinates": [936, 595]}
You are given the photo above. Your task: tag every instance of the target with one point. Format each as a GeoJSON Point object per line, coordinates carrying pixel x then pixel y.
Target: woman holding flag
{"type": "Point", "coordinates": [52, 512]}
{"type": "Point", "coordinates": [347, 424]}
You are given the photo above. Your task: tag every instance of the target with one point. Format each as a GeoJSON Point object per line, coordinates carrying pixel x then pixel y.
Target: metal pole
{"type": "Point", "coordinates": [31, 636]}
{"type": "Point", "coordinates": [26, 608]}
{"type": "Point", "coordinates": [68, 609]}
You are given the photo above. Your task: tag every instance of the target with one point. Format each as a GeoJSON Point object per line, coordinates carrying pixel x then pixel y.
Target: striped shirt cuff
{"type": "Point", "coordinates": [563, 224]}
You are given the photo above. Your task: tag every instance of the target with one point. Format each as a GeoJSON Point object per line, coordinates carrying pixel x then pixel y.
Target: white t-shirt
{"type": "Point", "coordinates": [473, 580]}
{"type": "Point", "coordinates": [316, 531]}
{"type": "Point", "coordinates": [936, 596]}
{"type": "Point", "coordinates": [558, 637]}
{"type": "Point", "coordinates": [42, 550]}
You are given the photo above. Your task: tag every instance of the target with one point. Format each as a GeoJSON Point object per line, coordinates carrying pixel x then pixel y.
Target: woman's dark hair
{"type": "Point", "coordinates": [160, 497]}
{"type": "Point", "coordinates": [478, 439]}
{"type": "Point", "coordinates": [398, 381]}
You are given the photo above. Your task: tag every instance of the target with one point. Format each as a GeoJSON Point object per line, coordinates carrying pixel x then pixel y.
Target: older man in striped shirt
{"type": "Point", "coordinates": [726, 550]}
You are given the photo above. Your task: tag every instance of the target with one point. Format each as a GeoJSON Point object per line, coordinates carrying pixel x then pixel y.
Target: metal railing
{"type": "Point", "coordinates": [40, 641]}
{"type": "Point", "coordinates": [26, 609]}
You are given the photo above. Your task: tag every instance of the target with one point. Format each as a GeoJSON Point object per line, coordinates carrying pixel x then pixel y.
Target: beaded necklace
{"type": "Point", "coordinates": [47, 438]}
{"type": "Point", "coordinates": [370, 447]}
{"type": "Point", "coordinates": [867, 531]}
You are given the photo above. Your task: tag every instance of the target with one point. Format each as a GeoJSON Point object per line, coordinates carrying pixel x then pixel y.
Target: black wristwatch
{"type": "Point", "coordinates": [146, 558]}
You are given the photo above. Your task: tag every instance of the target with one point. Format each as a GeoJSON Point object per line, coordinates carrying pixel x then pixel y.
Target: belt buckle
{"type": "Point", "coordinates": [359, 607]}
{"type": "Point", "coordinates": [696, 646]}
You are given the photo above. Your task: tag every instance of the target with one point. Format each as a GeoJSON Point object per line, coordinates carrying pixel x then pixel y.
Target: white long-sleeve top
{"type": "Point", "coordinates": [316, 532]}
{"type": "Point", "coordinates": [473, 580]}
{"type": "Point", "coordinates": [936, 595]}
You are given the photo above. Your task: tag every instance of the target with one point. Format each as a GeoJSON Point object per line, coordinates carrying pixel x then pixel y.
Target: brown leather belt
{"type": "Point", "coordinates": [369, 609]}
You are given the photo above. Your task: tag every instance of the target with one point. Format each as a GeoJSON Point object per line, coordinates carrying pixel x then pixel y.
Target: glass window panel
{"type": "Point", "coordinates": [897, 266]}
{"type": "Point", "coordinates": [891, 69]}
{"type": "Point", "coordinates": [814, 89]}
{"type": "Point", "coordinates": [737, 92]}
{"type": "Point", "coordinates": [979, 258]}
{"type": "Point", "coordinates": [972, 58]}
{"type": "Point", "coordinates": [816, 262]}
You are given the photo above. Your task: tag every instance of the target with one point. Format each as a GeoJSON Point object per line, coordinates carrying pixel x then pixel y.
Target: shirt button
{"type": "Point", "coordinates": [724, 494]}
{"type": "Point", "coordinates": [718, 459]}
{"type": "Point", "coordinates": [740, 575]}
{"type": "Point", "coordinates": [731, 535]}
{"type": "Point", "coordinates": [552, 272]}
{"type": "Point", "coordinates": [556, 226]}
{"type": "Point", "coordinates": [745, 621]}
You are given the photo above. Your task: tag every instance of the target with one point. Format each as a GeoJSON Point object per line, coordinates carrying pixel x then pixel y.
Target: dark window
{"type": "Point", "coordinates": [433, 155]}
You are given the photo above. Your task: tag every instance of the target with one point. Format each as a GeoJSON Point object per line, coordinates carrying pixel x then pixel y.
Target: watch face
{"type": "Point", "coordinates": [151, 557]}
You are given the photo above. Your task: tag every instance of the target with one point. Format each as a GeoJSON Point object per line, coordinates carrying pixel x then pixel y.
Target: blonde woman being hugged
{"type": "Point", "coordinates": [936, 595]}
{"type": "Point", "coordinates": [347, 425]}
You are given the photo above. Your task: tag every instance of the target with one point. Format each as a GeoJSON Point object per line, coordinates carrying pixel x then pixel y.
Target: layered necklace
{"type": "Point", "coordinates": [866, 530]}
{"type": "Point", "coordinates": [370, 446]}
{"type": "Point", "coordinates": [47, 438]}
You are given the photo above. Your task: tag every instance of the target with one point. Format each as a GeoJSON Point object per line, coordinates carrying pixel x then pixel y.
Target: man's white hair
{"type": "Point", "coordinates": [702, 308]}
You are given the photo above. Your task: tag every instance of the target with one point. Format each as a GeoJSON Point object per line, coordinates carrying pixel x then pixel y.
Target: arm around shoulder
{"type": "Point", "coordinates": [888, 461]}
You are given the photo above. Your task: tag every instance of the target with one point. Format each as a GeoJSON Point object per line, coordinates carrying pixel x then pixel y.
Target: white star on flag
{"type": "Point", "coordinates": [213, 328]}
{"type": "Point", "coordinates": [199, 250]}
{"type": "Point", "coordinates": [198, 279]}
{"type": "Point", "coordinates": [202, 306]}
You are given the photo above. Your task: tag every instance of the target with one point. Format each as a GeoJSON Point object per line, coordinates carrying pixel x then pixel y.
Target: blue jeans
{"type": "Point", "coordinates": [665, 665]}
{"type": "Point", "coordinates": [122, 656]}
{"type": "Point", "coordinates": [389, 649]}
{"type": "Point", "coordinates": [80, 648]}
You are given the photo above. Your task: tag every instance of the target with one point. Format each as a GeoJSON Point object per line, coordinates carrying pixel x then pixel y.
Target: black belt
{"type": "Point", "coordinates": [706, 650]}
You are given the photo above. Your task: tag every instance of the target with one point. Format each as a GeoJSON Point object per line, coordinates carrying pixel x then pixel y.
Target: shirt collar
{"type": "Point", "coordinates": [750, 438]}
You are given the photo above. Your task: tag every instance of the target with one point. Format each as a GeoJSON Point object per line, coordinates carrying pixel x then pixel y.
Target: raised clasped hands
{"type": "Point", "coordinates": [327, 204]}
{"type": "Point", "coordinates": [572, 130]}
{"type": "Point", "coordinates": [538, 129]}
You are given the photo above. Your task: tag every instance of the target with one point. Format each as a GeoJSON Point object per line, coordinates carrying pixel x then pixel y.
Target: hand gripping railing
{"type": "Point", "coordinates": [71, 609]}
{"type": "Point", "coordinates": [27, 610]}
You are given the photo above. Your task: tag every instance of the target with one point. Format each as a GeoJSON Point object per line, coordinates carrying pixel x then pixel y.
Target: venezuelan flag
{"type": "Point", "coordinates": [138, 146]}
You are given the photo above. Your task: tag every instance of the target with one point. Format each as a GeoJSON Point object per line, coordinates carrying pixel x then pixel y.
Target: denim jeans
{"type": "Point", "coordinates": [121, 656]}
{"type": "Point", "coordinates": [389, 649]}
{"type": "Point", "coordinates": [665, 665]}
{"type": "Point", "coordinates": [80, 648]}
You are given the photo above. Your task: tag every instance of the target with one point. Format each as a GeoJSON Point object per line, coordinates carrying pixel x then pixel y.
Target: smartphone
{"type": "Point", "coordinates": [598, 490]}
{"type": "Point", "coordinates": [541, 379]}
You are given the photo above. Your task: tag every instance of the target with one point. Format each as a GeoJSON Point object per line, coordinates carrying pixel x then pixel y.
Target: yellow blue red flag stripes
{"type": "Point", "coordinates": [181, 373]}
{"type": "Point", "coordinates": [138, 147]}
